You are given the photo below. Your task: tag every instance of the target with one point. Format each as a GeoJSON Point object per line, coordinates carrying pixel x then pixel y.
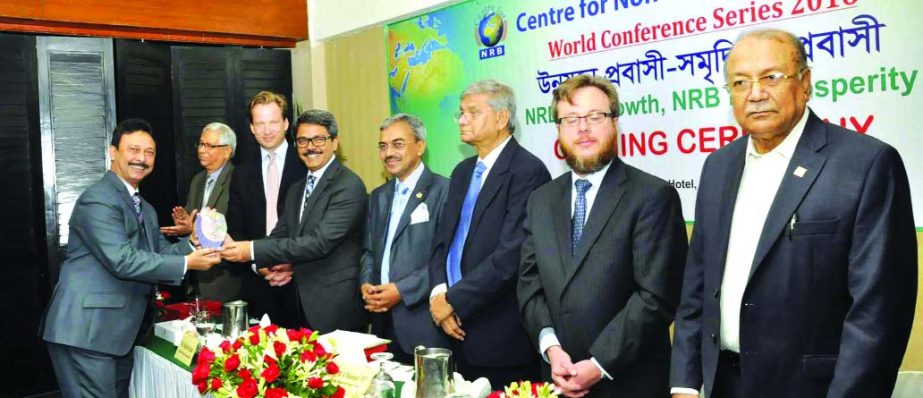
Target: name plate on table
{"type": "Point", "coordinates": [187, 347]}
{"type": "Point", "coordinates": [354, 378]}
{"type": "Point", "coordinates": [211, 228]}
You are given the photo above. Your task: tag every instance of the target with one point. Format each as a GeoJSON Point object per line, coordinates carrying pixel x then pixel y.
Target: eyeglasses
{"type": "Point", "coordinates": [320, 140]}
{"type": "Point", "coordinates": [740, 86]}
{"type": "Point", "coordinates": [208, 146]}
{"type": "Point", "coordinates": [592, 118]}
{"type": "Point", "coordinates": [397, 145]}
{"type": "Point", "coordinates": [470, 115]}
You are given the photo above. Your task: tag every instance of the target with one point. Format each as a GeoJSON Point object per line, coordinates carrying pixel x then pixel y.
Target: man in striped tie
{"type": "Point", "coordinates": [603, 258]}
{"type": "Point", "coordinates": [319, 231]}
{"type": "Point", "coordinates": [474, 268]}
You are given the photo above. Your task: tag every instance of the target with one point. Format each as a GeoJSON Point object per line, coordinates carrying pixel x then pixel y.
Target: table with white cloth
{"type": "Point", "coordinates": [156, 376]}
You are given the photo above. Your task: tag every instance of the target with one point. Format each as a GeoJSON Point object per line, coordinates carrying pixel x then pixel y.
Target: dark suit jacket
{"type": "Point", "coordinates": [828, 307]}
{"type": "Point", "coordinates": [247, 221]}
{"type": "Point", "coordinates": [247, 202]}
{"type": "Point", "coordinates": [411, 249]}
{"type": "Point", "coordinates": [107, 281]}
{"type": "Point", "coordinates": [485, 298]}
{"type": "Point", "coordinates": [223, 281]}
{"type": "Point", "coordinates": [220, 195]}
{"type": "Point", "coordinates": [324, 247]}
{"type": "Point", "coordinates": [614, 299]}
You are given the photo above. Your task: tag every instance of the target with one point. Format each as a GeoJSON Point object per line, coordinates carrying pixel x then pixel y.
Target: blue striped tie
{"type": "Point", "coordinates": [453, 262]}
{"type": "Point", "coordinates": [579, 212]}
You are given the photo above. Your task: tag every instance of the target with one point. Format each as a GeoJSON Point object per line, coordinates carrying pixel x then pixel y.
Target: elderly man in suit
{"type": "Point", "coordinates": [475, 264]}
{"type": "Point", "coordinates": [401, 224]}
{"type": "Point", "coordinates": [802, 273]}
{"type": "Point", "coordinates": [319, 231]}
{"type": "Point", "coordinates": [210, 188]}
{"type": "Point", "coordinates": [602, 263]}
{"type": "Point", "coordinates": [103, 302]}
{"type": "Point", "coordinates": [257, 197]}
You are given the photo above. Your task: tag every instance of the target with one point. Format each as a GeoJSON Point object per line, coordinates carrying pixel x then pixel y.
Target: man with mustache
{"type": "Point", "coordinates": [802, 270]}
{"type": "Point", "coordinates": [257, 197]}
{"type": "Point", "coordinates": [103, 303]}
{"type": "Point", "coordinates": [603, 258]}
{"type": "Point", "coordinates": [402, 220]}
{"type": "Point", "coordinates": [319, 232]}
{"type": "Point", "coordinates": [210, 188]}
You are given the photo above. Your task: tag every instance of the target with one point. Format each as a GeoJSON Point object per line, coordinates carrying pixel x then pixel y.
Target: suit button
{"type": "Point", "coordinates": [749, 305]}
{"type": "Point", "coordinates": [714, 338]}
{"type": "Point", "coordinates": [716, 292]}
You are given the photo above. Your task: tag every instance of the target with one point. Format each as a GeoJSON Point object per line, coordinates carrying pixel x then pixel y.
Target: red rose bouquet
{"type": "Point", "coordinates": [269, 362]}
{"type": "Point", "coordinates": [525, 389]}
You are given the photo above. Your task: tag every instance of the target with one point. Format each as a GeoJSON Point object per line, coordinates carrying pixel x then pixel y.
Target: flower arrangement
{"type": "Point", "coordinates": [268, 362]}
{"type": "Point", "coordinates": [160, 302]}
{"type": "Point", "coordinates": [526, 389]}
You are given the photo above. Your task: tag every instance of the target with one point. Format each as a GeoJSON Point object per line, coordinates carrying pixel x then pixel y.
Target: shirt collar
{"type": "Point", "coordinates": [280, 151]}
{"type": "Point", "coordinates": [786, 148]}
{"type": "Point", "coordinates": [131, 190]}
{"type": "Point", "coordinates": [491, 157]}
{"type": "Point", "coordinates": [412, 179]}
{"type": "Point", "coordinates": [214, 175]}
{"type": "Point", "coordinates": [595, 178]}
{"type": "Point", "coordinates": [320, 172]}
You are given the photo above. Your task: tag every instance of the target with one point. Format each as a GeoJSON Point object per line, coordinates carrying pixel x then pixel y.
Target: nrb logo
{"type": "Point", "coordinates": [489, 32]}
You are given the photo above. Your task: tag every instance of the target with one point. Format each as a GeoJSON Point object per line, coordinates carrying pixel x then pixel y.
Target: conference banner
{"type": "Point", "coordinates": [666, 58]}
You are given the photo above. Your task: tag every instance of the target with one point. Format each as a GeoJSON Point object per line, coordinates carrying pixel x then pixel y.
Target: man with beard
{"type": "Point", "coordinates": [603, 258]}
{"type": "Point", "coordinates": [319, 231]}
{"type": "Point", "coordinates": [103, 303]}
{"type": "Point", "coordinates": [402, 221]}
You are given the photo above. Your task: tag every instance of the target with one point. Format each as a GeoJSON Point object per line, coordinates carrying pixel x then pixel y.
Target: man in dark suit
{"type": "Point", "coordinates": [210, 188]}
{"type": "Point", "coordinates": [319, 231]}
{"type": "Point", "coordinates": [256, 199]}
{"type": "Point", "coordinates": [475, 264]}
{"type": "Point", "coordinates": [603, 258]}
{"type": "Point", "coordinates": [103, 302]}
{"type": "Point", "coordinates": [802, 273]}
{"type": "Point", "coordinates": [400, 227]}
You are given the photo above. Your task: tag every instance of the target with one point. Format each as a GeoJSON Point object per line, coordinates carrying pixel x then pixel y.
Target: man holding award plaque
{"type": "Point", "coordinates": [103, 302]}
{"type": "Point", "coordinates": [319, 231]}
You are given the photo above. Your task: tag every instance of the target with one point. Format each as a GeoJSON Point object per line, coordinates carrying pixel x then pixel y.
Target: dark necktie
{"type": "Point", "coordinates": [582, 186]}
{"type": "Point", "coordinates": [308, 188]}
{"type": "Point", "coordinates": [136, 198]}
{"type": "Point", "coordinates": [453, 266]}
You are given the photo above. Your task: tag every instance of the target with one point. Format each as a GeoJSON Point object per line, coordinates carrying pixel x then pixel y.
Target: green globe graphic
{"type": "Point", "coordinates": [490, 30]}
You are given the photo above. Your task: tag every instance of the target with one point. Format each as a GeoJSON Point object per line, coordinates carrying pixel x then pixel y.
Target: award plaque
{"type": "Point", "coordinates": [211, 228]}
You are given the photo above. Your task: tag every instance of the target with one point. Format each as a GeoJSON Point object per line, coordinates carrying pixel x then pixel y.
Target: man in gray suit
{"type": "Point", "coordinates": [210, 188]}
{"type": "Point", "coordinates": [103, 302]}
{"type": "Point", "coordinates": [603, 258]}
{"type": "Point", "coordinates": [402, 220]}
{"type": "Point", "coordinates": [319, 231]}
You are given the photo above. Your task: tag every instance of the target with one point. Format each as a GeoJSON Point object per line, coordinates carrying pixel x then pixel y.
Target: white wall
{"type": "Point", "coordinates": [329, 18]}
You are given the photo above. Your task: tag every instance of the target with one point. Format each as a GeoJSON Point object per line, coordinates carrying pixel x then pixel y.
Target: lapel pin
{"type": "Point", "coordinates": [419, 195]}
{"type": "Point", "coordinates": [799, 171]}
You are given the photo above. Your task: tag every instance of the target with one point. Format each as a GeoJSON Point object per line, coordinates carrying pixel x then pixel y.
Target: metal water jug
{"type": "Point", "coordinates": [434, 369]}
{"type": "Point", "coordinates": [234, 314]}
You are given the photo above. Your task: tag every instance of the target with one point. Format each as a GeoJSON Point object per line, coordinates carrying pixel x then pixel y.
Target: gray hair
{"type": "Point", "coordinates": [226, 135]}
{"type": "Point", "coordinates": [416, 125]}
{"type": "Point", "coordinates": [501, 97]}
{"type": "Point", "coordinates": [318, 117]}
{"type": "Point", "coordinates": [785, 37]}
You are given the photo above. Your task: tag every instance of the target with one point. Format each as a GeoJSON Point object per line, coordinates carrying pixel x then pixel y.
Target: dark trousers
{"type": "Point", "coordinates": [383, 326]}
{"type": "Point", "coordinates": [279, 302]}
{"type": "Point", "coordinates": [85, 373]}
{"type": "Point", "coordinates": [499, 376]}
{"type": "Point", "coordinates": [727, 378]}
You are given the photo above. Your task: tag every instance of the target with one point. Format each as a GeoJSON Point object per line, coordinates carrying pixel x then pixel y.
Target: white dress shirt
{"type": "Point", "coordinates": [398, 207]}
